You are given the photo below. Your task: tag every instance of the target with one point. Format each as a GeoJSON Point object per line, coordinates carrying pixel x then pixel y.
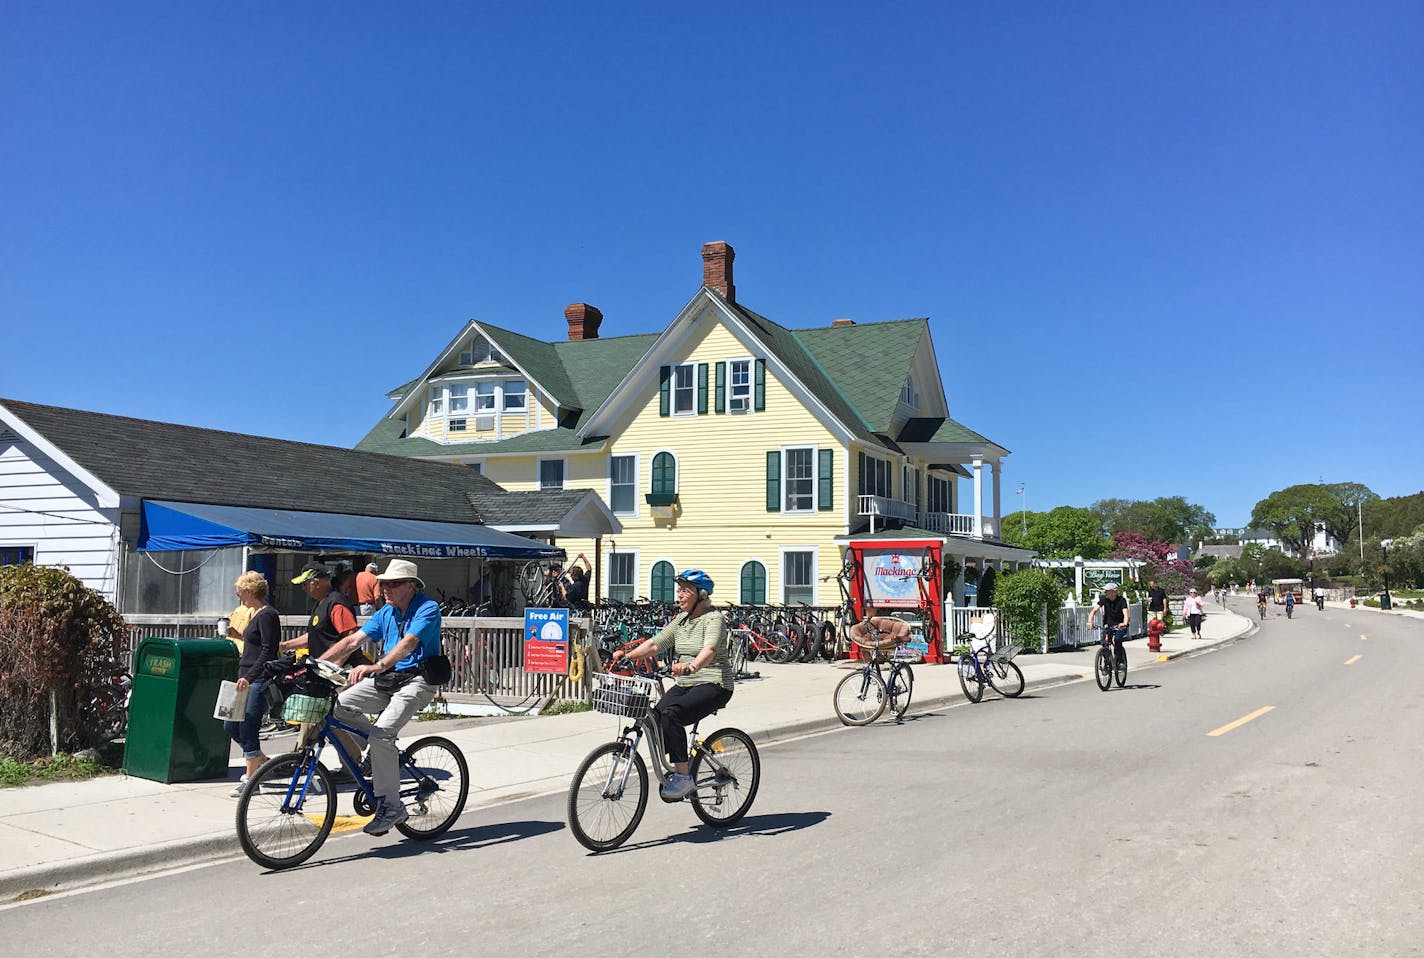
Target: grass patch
{"type": "Point", "coordinates": [57, 768]}
{"type": "Point", "coordinates": [567, 707]}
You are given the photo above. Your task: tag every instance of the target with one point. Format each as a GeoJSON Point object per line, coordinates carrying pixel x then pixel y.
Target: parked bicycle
{"type": "Point", "coordinates": [609, 792]}
{"type": "Point", "coordinates": [862, 696]}
{"type": "Point", "coordinates": [1104, 668]}
{"type": "Point", "coordinates": [982, 666]}
{"type": "Point", "coordinates": [288, 808]}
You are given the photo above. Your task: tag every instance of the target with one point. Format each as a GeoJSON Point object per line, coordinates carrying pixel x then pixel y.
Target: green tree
{"type": "Point", "coordinates": [1164, 519]}
{"type": "Point", "coordinates": [1340, 512]}
{"type": "Point", "coordinates": [1292, 514]}
{"type": "Point", "coordinates": [1061, 533]}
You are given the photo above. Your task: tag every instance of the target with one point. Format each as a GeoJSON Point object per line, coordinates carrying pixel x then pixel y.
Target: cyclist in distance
{"type": "Point", "coordinates": [704, 684]}
{"type": "Point", "coordinates": [891, 628]}
{"type": "Point", "coordinates": [1261, 598]}
{"type": "Point", "coordinates": [1114, 610]}
{"type": "Point", "coordinates": [407, 628]}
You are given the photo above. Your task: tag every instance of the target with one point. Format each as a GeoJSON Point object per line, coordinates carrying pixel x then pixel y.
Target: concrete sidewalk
{"type": "Point", "coordinates": [65, 835]}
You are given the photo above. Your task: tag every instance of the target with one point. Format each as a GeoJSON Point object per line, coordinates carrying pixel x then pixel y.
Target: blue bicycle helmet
{"type": "Point", "coordinates": [695, 578]}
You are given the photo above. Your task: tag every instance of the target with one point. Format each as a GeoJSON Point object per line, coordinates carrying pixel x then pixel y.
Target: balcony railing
{"type": "Point", "coordinates": [887, 508]}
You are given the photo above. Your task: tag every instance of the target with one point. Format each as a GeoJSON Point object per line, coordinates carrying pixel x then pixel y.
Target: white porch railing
{"type": "Point", "coordinates": [962, 619]}
{"type": "Point", "coordinates": [886, 507]}
{"type": "Point", "coordinates": [947, 523]}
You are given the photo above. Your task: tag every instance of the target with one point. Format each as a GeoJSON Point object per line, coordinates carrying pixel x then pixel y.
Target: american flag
{"type": "Point", "coordinates": [1020, 488]}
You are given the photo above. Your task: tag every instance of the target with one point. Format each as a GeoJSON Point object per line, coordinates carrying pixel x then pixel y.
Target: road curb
{"type": "Point", "coordinates": [111, 866]}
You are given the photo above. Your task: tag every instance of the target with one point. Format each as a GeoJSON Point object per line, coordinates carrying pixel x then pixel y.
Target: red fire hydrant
{"type": "Point", "coordinates": [1155, 628]}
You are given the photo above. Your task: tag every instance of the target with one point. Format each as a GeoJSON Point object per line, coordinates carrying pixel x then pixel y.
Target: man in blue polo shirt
{"type": "Point", "coordinates": [407, 630]}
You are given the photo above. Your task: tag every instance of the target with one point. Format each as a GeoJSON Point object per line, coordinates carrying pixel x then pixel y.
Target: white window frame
{"type": "Point", "coordinates": [636, 485]}
{"type": "Point", "coordinates": [786, 508]}
{"type": "Point", "coordinates": [875, 466]}
{"type": "Point", "coordinates": [492, 355]}
{"type": "Point", "coordinates": [632, 578]}
{"type": "Point", "coordinates": [750, 397]}
{"type": "Point", "coordinates": [485, 394]}
{"type": "Point", "coordinates": [691, 391]}
{"type": "Point", "coordinates": [781, 572]}
{"type": "Point", "coordinates": [436, 404]}
{"type": "Point", "coordinates": [909, 395]}
{"type": "Point", "coordinates": [563, 475]}
{"type": "Point", "coordinates": [33, 548]}
{"type": "Point", "coordinates": [504, 395]}
{"type": "Point", "coordinates": [462, 398]}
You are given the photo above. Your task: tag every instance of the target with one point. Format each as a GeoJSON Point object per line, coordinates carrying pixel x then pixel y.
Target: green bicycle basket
{"type": "Point", "coordinates": [305, 708]}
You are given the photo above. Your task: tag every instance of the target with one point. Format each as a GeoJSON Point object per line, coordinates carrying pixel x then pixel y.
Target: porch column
{"type": "Point", "coordinates": [996, 468]}
{"type": "Point", "coordinates": [978, 466]}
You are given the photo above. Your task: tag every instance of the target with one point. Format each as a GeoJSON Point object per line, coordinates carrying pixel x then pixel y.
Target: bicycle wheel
{"type": "Point", "coordinates": [902, 687]}
{"type": "Point", "coordinates": [782, 647]}
{"type": "Point", "coordinates": [727, 770]}
{"type": "Point", "coordinates": [738, 654]}
{"type": "Point", "coordinates": [860, 697]}
{"type": "Point", "coordinates": [435, 781]}
{"type": "Point", "coordinates": [807, 644]}
{"type": "Point", "coordinates": [1006, 678]}
{"type": "Point", "coordinates": [969, 678]}
{"type": "Point", "coordinates": [828, 641]}
{"type": "Point", "coordinates": [1121, 671]}
{"type": "Point", "coordinates": [1102, 669]}
{"type": "Point", "coordinates": [277, 832]}
{"type": "Point", "coordinates": [607, 798]}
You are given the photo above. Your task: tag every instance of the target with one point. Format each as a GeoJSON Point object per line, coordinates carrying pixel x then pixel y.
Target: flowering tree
{"type": "Point", "coordinates": [1159, 561]}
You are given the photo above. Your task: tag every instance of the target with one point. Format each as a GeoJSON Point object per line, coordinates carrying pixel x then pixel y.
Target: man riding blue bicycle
{"type": "Point", "coordinates": [407, 628]}
{"type": "Point", "coordinates": [1115, 616]}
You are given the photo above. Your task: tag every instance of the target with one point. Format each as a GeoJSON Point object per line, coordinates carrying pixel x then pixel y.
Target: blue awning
{"type": "Point", "coordinates": [181, 526]}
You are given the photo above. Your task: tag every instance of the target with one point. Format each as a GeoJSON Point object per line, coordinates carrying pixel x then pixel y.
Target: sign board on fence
{"type": "Point", "coordinates": [546, 640]}
{"type": "Point", "coordinates": [1098, 578]}
{"type": "Point", "coordinates": [891, 576]}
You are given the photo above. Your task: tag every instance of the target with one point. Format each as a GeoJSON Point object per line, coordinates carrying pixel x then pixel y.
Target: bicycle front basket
{"type": "Point", "coordinates": [305, 708]}
{"type": "Point", "coordinates": [630, 696]}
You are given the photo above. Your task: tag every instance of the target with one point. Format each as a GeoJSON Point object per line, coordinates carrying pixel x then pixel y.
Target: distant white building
{"type": "Point", "coordinates": [1324, 544]}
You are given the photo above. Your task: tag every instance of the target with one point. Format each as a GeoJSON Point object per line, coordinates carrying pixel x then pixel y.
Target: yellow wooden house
{"type": "Point", "coordinates": [725, 442]}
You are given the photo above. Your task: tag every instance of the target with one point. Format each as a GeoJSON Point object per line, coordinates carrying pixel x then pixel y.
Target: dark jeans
{"type": "Point", "coordinates": [1118, 633]}
{"type": "Point", "coordinates": [245, 733]}
{"type": "Point", "coordinates": [1195, 620]}
{"type": "Point", "coordinates": [683, 705]}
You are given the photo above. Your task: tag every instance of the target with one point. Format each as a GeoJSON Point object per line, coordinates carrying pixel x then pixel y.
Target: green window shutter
{"type": "Point", "coordinates": [753, 584]}
{"type": "Point", "coordinates": [665, 391]}
{"type": "Point", "coordinates": [721, 405]}
{"type": "Point", "coordinates": [773, 482]}
{"type": "Point", "coordinates": [701, 389]}
{"type": "Point", "coordinates": [759, 386]}
{"type": "Point", "coordinates": [825, 500]}
{"type": "Point", "coordinates": [661, 587]}
{"type": "Point", "coordinates": [664, 474]}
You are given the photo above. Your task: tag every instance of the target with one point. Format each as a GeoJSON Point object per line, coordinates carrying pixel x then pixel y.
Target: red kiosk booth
{"type": "Point", "coordinates": [900, 575]}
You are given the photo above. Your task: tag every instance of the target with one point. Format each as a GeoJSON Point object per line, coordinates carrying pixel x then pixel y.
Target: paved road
{"type": "Point", "coordinates": [1071, 822]}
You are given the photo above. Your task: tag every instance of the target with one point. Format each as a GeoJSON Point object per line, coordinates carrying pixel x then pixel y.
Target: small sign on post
{"type": "Point", "coordinates": [546, 640]}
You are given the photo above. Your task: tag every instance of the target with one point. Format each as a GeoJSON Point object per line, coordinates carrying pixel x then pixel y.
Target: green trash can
{"type": "Point", "coordinates": [172, 734]}
{"type": "Point", "coordinates": [1385, 603]}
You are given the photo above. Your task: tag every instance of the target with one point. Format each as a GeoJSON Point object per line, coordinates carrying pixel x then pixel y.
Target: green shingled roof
{"type": "Point", "coordinates": [856, 371]}
{"type": "Point", "coordinates": [870, 362]}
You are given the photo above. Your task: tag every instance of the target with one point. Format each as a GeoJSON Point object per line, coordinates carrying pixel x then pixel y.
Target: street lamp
{"type": "Point", "coordinates": [1384, 599]}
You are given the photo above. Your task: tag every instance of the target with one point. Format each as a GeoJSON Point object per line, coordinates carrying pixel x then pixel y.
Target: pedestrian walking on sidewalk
{"type": "Point", "coordinates": [260, 644]}
{"type": "Point", "coordinates": [1192, 609]}
{"type": "Point", "coordinates": [1156, 601]}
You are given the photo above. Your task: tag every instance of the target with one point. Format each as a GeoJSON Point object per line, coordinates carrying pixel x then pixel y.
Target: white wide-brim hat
{"type": "Point", "coordinates": [401, 570]}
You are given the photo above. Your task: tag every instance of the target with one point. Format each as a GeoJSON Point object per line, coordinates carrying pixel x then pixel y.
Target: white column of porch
{"type": "Point", "coordinates": [978, 466]}
{"type": "Point", "coordinates": [996, 468]}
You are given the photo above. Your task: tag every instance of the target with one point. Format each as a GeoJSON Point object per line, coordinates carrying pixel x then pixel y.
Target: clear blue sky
{"type": "Point", "coordinates": [1166, 249]}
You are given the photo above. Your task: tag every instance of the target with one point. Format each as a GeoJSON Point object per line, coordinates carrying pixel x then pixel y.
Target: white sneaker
{"type": "Point", "coordinates": [239, 788]}
{"type": "Point", "coordinates": [677, 788]}
{"type": "Point", "coordinates": [388, 816]}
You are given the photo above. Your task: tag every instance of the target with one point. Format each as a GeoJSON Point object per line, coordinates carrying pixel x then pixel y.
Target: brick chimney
{"type": "Point", "coordinates": [717, 269]}
{"type": "Point", "coordinates": [583, 320]}
{"type": "Point", "coordinates": [842, 322]}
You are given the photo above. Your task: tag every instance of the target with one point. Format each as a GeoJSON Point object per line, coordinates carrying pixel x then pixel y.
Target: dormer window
{"type": "Point", "coordinates": [909, 395]}
{"type": "Point", "coordinates": [514, 396]}
{"type": "Point", "coordinates": [480, 351]}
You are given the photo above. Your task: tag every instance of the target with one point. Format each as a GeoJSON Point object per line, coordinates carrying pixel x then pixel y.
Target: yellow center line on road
{"type": "Point", "coordinates": [1241, 721]}
{"type": "Point", "coordinates": [1352, 659]}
